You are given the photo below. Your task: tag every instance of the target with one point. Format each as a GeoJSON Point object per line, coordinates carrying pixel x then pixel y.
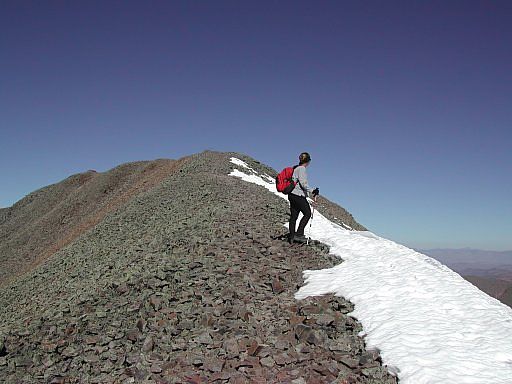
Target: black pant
{"type": "Point", "coordinates": [298, 204]}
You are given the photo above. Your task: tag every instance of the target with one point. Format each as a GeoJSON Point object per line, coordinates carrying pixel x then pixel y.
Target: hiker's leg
{"type": "Point", "coordinates": [294, 214]}
{"type": "Point", "coordinates": [306, 211]}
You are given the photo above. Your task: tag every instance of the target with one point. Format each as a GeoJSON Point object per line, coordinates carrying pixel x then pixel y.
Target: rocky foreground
{"type": "Point", "coordinates": [187, 283]}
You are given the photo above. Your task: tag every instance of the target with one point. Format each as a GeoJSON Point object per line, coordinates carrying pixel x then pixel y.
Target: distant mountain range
{"type": "Point", "coordinates": [490, 271]}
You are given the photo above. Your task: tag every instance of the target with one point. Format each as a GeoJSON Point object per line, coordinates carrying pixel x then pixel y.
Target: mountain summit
{"type": "Point", "coordinates": [169, 272]}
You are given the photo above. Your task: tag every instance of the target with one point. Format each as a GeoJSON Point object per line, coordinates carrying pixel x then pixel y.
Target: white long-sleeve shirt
{"type": "Point", "coordinates": [300, 176]}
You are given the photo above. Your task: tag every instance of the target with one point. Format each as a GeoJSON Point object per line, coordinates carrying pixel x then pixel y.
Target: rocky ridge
{"type": "Point", "coordinates": [48, 219]}
{"type": "Point", "coordinates": [186, 283]}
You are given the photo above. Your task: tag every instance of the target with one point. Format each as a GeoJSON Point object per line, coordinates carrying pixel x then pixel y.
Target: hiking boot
{"type": "Point", "coordinates": [300, 239]}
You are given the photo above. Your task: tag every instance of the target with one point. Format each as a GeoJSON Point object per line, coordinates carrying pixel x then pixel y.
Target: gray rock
{"type": "Point", "coordinates": [267, 362]}
{"type": "Point", "coordinates": [70, 352]}
{"type": "Point", "coordinates": [148, 344]}
{"type": "Point", "coordinates": [214, 364]}
{"type": "Point", "coordinates": [204, 338]}
{"type": "Point", "coordinates": [325, 319]}
{"type": "Point", "coordinates": [91, 358]}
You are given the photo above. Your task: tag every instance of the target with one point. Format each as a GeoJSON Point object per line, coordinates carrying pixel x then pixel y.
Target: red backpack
{"type": "Point", "coordinates": [284, 182]}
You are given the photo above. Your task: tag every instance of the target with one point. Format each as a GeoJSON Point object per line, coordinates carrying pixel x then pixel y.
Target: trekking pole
{"type": "Point", "coordinates": [312, 215]}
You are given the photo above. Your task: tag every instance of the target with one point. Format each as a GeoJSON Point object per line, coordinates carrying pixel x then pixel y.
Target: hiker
{"type": "Point", "coordinates": [298, 199]}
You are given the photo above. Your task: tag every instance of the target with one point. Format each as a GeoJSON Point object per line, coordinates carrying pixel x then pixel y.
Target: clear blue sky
{"type": "Point", "coordinates": [405, 106]}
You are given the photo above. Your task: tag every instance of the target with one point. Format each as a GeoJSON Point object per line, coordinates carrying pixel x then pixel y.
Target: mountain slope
{"type": "Point", "coordinates": [184, 283]}
{"type": "Point", "coordinates": [471, 259]}
{"type": "Point", "coordinates": [493, 287]}
{"type": "Point", "coordinates": [506, 297]}
{"type": "Point", "coordinates": [50, 218]}
{"type": "Point", "coordinates": [490, 271]}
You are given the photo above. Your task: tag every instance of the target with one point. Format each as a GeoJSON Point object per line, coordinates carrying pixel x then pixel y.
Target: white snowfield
{"type": "Point", "coordinates": [429, 324]}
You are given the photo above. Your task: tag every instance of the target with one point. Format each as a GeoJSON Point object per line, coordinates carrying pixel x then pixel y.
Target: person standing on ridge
{"type": "Point", "coordinates": [298, 199]}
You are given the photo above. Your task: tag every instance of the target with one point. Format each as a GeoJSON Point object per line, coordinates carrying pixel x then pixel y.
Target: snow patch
{"type": "Point", "coordinates": [430, 325]}
{"type": "Point", "coordinates": [240, 163]}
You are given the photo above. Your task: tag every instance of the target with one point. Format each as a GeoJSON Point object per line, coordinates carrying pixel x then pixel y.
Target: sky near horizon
{"type": "Point", "coordinates": [405, 106]}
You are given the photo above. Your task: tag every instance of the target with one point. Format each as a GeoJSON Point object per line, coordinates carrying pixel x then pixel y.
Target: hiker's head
{"type": "Point", "coordinates": [304, 158]}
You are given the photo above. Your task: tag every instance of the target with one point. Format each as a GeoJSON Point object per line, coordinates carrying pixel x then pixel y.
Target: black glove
{"type": "Point", "coordinates": [316, 192]}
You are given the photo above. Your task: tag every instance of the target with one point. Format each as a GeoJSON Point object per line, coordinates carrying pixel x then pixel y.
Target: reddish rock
{"type": "Point", "coordinates": [195, 379]}
{"type": "Point", "coordinates": [224, 375]}
{"type": "Point", "coordinates": [122, 289]}
{"type": "Point", "coordinates": [277, 287]}
{"type": "Point", "coordinates": [294, 320]}
{"type": "Point", "coordinates": [254, 348]}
